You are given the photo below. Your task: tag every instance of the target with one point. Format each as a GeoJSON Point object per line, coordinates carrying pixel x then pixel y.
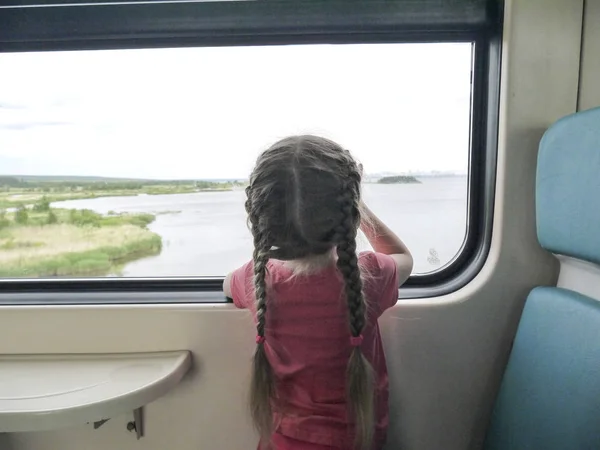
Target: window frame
{"type": "Point", "coordinates": [161, 24]}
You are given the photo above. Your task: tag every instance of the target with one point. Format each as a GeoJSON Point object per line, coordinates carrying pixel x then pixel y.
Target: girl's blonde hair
{"type": "Point", "coordinates": [303, 200]}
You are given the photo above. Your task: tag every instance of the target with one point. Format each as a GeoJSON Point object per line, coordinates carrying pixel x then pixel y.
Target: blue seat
{"type": "Point", "coordinates": [549, 398]}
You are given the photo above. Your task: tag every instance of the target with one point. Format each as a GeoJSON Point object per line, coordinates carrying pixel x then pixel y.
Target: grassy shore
{"type": "Point", "coordinates": [16, 198]}
{"type": "Point", "coordinates": [58, 242]}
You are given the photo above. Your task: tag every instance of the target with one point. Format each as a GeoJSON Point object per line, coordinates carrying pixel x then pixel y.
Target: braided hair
{"type": "Point", "coordinates": [303, 200]}
{"type": "Point", "coordinates": [359, 375]}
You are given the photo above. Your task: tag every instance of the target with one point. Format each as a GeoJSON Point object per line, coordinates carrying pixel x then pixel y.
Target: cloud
{"type": "Point", "coordinates": [6, 105]}
{"type": "Point", "coordinates": [29, 125]}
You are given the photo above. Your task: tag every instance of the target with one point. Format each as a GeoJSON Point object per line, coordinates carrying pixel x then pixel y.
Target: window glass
{"type": "Point", "coordinates": [132, 163]}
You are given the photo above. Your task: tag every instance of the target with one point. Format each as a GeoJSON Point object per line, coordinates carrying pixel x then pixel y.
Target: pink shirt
{"type": "Point", "coordinates": [308, 345]}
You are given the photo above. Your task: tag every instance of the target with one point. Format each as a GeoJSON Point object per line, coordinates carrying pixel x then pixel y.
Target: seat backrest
{"type": "Point", "coordinates": [549, 398]}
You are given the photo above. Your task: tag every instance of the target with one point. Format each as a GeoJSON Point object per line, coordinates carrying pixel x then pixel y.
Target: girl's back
{"type": "Point", "coordinates": [308, 347]}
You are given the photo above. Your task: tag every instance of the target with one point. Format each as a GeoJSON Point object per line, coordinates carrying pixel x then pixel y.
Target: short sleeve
{"type": "Point", "coordinates": [381, 280]}
{"type": "Point", "coordinates": [241, 286]}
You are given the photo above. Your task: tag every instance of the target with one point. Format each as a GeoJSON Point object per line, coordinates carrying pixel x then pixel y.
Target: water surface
{"type": "Point", "coordinates": [205, 233]}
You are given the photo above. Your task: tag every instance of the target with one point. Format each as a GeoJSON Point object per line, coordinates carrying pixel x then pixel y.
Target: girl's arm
{"type": "Point", "coordinates": [227, 285]}
{"type": "Point", "coordinates": [384, 240]}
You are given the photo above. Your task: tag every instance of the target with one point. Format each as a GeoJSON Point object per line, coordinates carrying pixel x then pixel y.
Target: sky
{"type": "Point", "coordinates": [208, 112]}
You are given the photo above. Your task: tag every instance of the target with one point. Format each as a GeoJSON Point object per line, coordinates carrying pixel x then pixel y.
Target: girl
{"type": "Point", "coordinates": [319, 374]}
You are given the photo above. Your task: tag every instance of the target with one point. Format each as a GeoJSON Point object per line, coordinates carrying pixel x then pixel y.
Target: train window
{"type": "Point", "coordinates": [128, 130]}
{"type": "Point", "coordinates": [132, 163]}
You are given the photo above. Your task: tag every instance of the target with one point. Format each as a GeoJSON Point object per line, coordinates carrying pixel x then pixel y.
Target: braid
{"type": "Point", "coordinates": [360, 376]}
{"type": "Point", "coordinates": [261, 257]}
{"type": "Point", "coordinates": [262, 383]}
{"type": "Point", "coordinates": [347, 264]}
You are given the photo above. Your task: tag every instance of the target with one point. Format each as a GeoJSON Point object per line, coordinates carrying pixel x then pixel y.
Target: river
{"type": "Point", "coordinates": [205, 234]}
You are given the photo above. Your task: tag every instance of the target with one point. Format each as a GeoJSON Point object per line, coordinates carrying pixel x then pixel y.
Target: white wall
{"type": "Point", "coordinates": [589, 88]}
{"type": "Point", "coordinates": [445, 354]}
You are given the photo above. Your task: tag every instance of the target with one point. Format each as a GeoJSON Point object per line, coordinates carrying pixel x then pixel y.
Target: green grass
{"type": "Point", "coordinates": [73, 243]}
{"type": "Point", "coordinates": [11, 244]}
{"type": "Point", "coordinates": [80, 217]}
{"type": "Point", "coordinates": [99, 261]}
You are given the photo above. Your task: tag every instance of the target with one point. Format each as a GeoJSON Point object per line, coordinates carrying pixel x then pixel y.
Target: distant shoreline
{"type": "Point", "coordinates": [374, 179]}
{"type": "Point", "coordinates": [24, 191]}
{"type": "Point", "coordinates": [400, 179]}
{"type": "Point", "coordinates": [16, 191]}
{"type": "Point", "coordinates": [29, 200]}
